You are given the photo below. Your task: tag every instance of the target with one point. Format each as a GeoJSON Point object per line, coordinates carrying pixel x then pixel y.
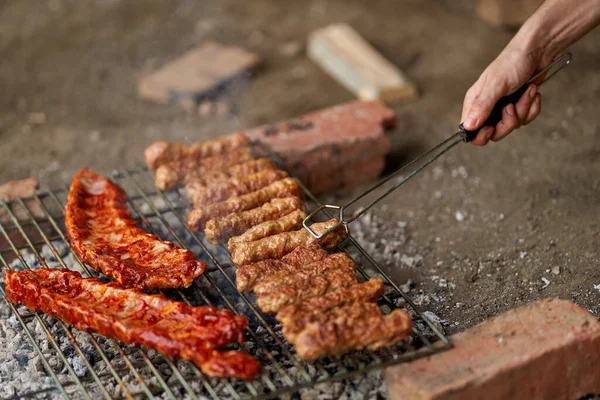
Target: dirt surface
{"type": "Point", "coordinates": [486, 229]}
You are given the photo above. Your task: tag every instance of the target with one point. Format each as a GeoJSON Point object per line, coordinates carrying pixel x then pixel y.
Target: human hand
{"type": "Point", "coordinates": [505, 75]}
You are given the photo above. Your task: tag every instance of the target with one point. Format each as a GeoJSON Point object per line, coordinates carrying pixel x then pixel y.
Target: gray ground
{"type": "Point", "coordinates": [487, 229]}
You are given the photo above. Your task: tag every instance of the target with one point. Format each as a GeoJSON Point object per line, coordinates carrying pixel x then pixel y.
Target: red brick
{"type": "Point", "coordinates": [351, 176]}
{"type": "Point", "coordinates": [327, 141]}
{"type": "Point", "coordinates": [14, 189]}
{"type": "Point", "coordinates": [349, 122]}
{"type": "Point", "coordinates": [544, 350]}
{"type": "Point", "coordinates": [11, 191]}
{"type": "Point", "coordinates": [198, 72]}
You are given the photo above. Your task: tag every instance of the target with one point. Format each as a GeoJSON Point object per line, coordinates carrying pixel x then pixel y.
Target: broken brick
{"type": "Point", "coordinates": [15, 189]}
{"type": "Point", "coordinates": [549, 349]}
{"type": "Point", "coordinates": [198, 73]}
{"type": "Point", "coordinates": [317, 147]}
{"type": "Point", "coordinates": [9, 192]}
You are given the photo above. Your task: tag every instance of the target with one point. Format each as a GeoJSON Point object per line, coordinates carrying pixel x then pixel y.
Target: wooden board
{"type": "Point", "coordinates": [506, 13]}
{"type": "Point", "coordinates": [355, 64]}
{"type": "Point", "coordinates": [196, 73]}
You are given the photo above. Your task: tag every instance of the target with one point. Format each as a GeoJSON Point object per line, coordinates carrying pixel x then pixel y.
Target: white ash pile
{"type": "Point", "coordinates": [388, 242]}
{"type": "Point", "coordinates": [368, 386]}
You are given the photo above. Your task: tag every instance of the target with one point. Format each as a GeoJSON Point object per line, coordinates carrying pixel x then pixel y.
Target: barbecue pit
{"type": "Point", "coordinates": [82, 365]}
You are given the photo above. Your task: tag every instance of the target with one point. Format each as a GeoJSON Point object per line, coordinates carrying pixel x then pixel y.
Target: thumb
{"type": "Point", "coordinates": [479, 111]}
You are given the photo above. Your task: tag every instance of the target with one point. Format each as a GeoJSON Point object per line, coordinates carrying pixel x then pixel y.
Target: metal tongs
{"type": "Point", "coordinates": [462, 135]}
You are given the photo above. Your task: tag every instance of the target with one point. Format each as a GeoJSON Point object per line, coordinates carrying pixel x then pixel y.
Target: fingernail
{"type": "Point", "coordinates": [471, 121]}
{"type": "Point", "coordinates": [510, 110]}
{"type": "Point", "coordinates": [532, 91]}
{"type": "Point", "coordinates": [488, 132]}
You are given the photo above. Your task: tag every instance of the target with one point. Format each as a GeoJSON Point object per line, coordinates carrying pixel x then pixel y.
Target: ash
{"type": "Point", "coordinates": [393, 248]}
{"type": "Point", "coordinates": [369, 386]}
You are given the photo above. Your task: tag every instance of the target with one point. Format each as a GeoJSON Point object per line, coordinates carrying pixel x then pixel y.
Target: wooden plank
{"type": "Point", "coordinates": [195, 74]}
{"type": "Point", "coordinates": [506, 13]}
{"type": "Point", "coordinates": [355, 64]}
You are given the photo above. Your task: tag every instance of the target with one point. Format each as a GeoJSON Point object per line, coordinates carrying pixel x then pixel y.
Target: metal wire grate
{"type": "Point", "coordinates": [90, 366]}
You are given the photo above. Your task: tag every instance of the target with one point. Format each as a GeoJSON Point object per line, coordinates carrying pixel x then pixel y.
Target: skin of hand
{"type": "Point", "coordinates": [503, 76]}
{"type": "Point", "coordinates": [549, 31]}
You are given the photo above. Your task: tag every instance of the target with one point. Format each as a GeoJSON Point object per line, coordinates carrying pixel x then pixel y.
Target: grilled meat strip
{"type": "Point", "coordinates": [219, 230]}
{"type": "Point", "coordinates": [277, 246]}
{"type": "Point", "coordinates": [275, 282]}
{"type": "Point", "coordinates": [235, 186]}
{"type": "Point", "coordinates": [291, 221]}
{"type": "Point", "coordinates": [295, 317]}
{"type": "Point", "coordinates": [316, 279]}
{"type": "Point", "coordinates": [239, 170]}
{"type": "Point", "coordinates": [103, 235]}
{"type": "Point", "coordinates": [180, 172]}
{"type": "Point", "coordinates": [247, 276]}
{"type": "Point", "coordinates": [160, 153]}
{"type": "Point", "coordinates": [172, 328]}
{"type": "Point", "coordinates": [284, 188]}
{"type": "Point", "coordinates": [351, 327]}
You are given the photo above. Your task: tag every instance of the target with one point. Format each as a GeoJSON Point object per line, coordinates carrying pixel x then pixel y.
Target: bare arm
{"type": "Point", "coordinates": [554, 26]}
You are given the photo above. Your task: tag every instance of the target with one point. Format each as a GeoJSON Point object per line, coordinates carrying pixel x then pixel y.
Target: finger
{"type": "Point", "coordinates": [468, 101]}
{"type": "Point", "coordinates": [484, 95]}
{"type": "Point", "coordinates": [479, 111]}
{"type": "Point", "coordinates": [524, 103]}
{"type": "Point", "coordinates": [535, 109]}
{"type": "Point", "coordinates": [508, 123]}
{"type": "Point", "coordinates": [483, 136]}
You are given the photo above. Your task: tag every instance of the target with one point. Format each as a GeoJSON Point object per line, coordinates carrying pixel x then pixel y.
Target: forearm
{"type": "Point", "coordinates": [556, 25]}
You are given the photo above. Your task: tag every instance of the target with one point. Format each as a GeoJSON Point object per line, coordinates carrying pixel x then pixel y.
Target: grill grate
{"type": "Point", "coordinates": [83, 365]}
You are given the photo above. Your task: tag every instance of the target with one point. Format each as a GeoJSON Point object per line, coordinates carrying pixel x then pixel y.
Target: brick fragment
{"type": "Point", "coordinates": [196, 74]}
{"type": "Point", "coordinates": [549, 349]}
{"type": "Point", "coordinates": [506, 13]}
{"type": "Point", "coordinates": [11, 191]}
{"type": "Point", "coordinates": [320, 144]}
{"type": "Point", "coordinates": [15, 189]}
{"type": "Point", "coordinates": [349, 177]}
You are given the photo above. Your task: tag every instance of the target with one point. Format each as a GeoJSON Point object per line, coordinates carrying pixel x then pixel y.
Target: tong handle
{"type": "Point", "coordinates": [496, 115]}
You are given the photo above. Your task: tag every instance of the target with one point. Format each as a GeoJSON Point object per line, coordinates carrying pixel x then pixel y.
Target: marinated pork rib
{"type": "Point", "coordinates": [295, 317]}
{"type": "Point", "coordinates": [351, 327]}
{"type": "Point", "coordinates": [103, 235]}
{"type": "Point", "coordinates": [286, 288]}
{"type": "Point", "coordinates": [277, 246]}
{"type": "Point", "coordinates": [239, 170]}
{"type": "Point", "coordinates": [235, 186]}
{"type": "Point", "coordinates": [180, 172]}
{"type": "Point", "coordinates": [172, 328]}
{"type": "Point", "coordinates": [160, 153]}
{"type": "Point", "coordinates": [247, 276]}
{"type": "Point", "coordinates": [289, 222]}
{"type": "Point", "coordinates": [219, 230]}
{"type": "Point", "coordinates": [284, 188]}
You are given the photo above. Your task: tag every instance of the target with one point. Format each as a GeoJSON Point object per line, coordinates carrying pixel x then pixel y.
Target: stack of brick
{"type": "Point", "coordinates": [334, 148]}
